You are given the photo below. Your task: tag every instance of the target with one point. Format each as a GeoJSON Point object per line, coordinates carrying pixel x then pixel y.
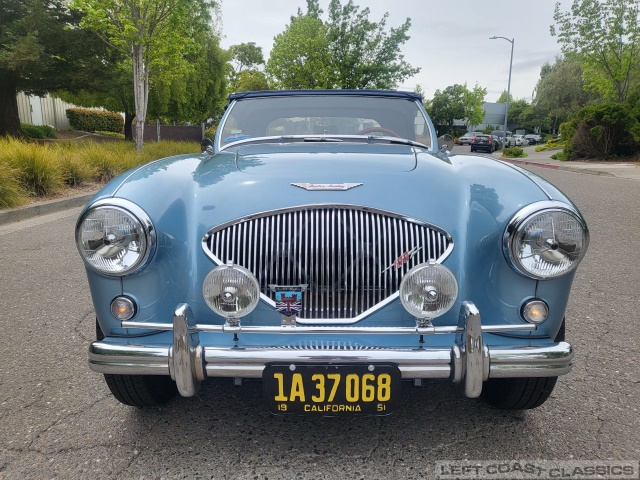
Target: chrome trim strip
{"type": "Point", "coordinates": [296, 329]}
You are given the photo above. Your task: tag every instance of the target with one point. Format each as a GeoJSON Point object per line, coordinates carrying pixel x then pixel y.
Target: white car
{"type": "Point", "coordinates": [519, 141]}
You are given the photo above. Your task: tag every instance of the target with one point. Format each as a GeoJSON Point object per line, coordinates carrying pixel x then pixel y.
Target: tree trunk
{"type": "Point", "coordinates": [141, 92]}
{"type": "Point", "coordinates": [9, 118]}
{"type": "Point", "coordinates": [128, 131]}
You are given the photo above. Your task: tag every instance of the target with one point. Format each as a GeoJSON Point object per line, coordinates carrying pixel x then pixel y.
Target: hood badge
{"type": "Point", "coordinates": [326, 186]}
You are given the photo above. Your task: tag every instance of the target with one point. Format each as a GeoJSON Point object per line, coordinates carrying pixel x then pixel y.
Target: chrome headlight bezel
{"type": "Point", "coordinates": [519, 222]}
{"type": "Point", "coordinates": [142, 223]}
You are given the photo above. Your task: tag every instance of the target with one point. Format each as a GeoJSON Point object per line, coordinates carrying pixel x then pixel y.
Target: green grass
{"type": "Point", "coordinates": [31, 169]}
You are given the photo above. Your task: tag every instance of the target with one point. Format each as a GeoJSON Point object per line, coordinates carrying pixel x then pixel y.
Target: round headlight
{"type": "Point", "coordinates": [114, 241]}
{"type": "Point", "coordinates": [231, 291]}
{"type": "Point", "coordinates": [428, 290]}
{"type": "Point", "coordinates": [546, 243]}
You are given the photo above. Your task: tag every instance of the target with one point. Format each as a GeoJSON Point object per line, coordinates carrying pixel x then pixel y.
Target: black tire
{"type": "Point", "coordinates": [520, 393]}
{"type": "Point", "coordinates": [139, 390]}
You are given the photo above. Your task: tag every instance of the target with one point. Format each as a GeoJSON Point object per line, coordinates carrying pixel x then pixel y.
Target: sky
{"type": "Point", "coordinates": [449, 40]}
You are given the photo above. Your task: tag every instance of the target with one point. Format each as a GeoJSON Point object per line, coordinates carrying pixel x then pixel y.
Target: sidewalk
{"type": "Point", "coordinates": [543, 159]}
{"type": "Point", "coordinates": [533, 158]}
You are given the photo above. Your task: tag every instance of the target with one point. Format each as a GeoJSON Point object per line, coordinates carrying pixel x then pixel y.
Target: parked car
{"type": "Point", "coordinates": [498, 141]}
{"type": "Point", "coordinates": [467, 138]}
{"type": "Point", "coordinates": [326, 244]}
{"type": "Point", "coordinates": [483, 143]}
{"type": "Point", "coordinates": [534, 139]}
{"type": "Point", "coordinates": [520, 141]}
{"type": "Point", "coordinates": [505, 139]}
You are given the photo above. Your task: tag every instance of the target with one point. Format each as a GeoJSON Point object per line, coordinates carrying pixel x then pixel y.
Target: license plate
{"type": "Point", "coordinates": [311, 389]}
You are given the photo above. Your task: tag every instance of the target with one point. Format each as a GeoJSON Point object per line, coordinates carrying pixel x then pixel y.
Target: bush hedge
{"type": "Point", "coordinates": [95, 120]}
{"type": "Point", "coordinates": [38, 131]}
{"type": "Point", "coordinates": [513, 152]}
{"type": "Point", "coordinates": [602, 131]}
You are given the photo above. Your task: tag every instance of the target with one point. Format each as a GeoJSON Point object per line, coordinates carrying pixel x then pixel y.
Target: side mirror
{"type": "Point", "coordinates": [207, 146]}
{"type": "Point", "coordinates": [445, 142]}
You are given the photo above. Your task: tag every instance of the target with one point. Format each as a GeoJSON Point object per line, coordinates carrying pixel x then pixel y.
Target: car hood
{"type": "Point", "coordinates": [211, 190]}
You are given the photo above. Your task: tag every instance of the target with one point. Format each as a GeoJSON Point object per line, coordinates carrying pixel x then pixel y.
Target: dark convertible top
{"type": "Point", "coordinates": [367, 93]}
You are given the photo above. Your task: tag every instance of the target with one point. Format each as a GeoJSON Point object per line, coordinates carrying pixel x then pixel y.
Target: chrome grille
{"type": "Point", "coordinates": [350, 258]}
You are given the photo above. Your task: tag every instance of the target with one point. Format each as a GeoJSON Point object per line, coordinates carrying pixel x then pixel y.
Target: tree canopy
{"type": "Point", "coordinates": [346, 51]}
{"type": "Point", "coordinates": [603, 36]}
{"type": "Point", "coordinates": [156, 34]}
{"type": "Point", "coordinates": [457, 102]}
{"type": "Point", "coordinates": [41, 50]}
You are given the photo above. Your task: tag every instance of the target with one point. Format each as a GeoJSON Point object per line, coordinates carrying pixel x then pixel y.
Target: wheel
{"type": "Point", "coordinates": [520, 393]}
{"type": "Point", "coordinates": [378, 129]}
{"type": "Point", "coordinates": [139, 390]}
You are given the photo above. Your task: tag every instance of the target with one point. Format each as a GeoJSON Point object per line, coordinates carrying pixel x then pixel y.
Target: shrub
{"type": "Point", "coordinates": [601, 131]}
{"type": "Point", "coordinates": [95, 120]}
{"type": "Point", "coordinates": [210, 132]}
{"type": "Point", "coordinates": [38, 131]}
{"type": "Point", "coordinates": [75, 171]}
{"type": "Point", "coordinates": [513, 152]}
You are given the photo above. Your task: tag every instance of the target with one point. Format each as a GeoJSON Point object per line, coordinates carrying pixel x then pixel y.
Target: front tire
{"type": "Point", "coordinates": [139, 390]}
{"type": "Point", "coordinates": [520, 393]}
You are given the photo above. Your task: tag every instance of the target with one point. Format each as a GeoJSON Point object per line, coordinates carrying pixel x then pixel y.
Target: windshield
{"type": "Point", "coordinates": [324, 115]}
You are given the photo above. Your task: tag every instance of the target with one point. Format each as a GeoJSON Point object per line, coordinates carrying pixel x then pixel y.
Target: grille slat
{"type": "Point", "coordinates": [351, 258]}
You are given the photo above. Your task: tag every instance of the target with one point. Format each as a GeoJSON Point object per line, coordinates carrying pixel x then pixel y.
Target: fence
{"type": "Point", "coordinates": [43, 111]}
{"type": "Point", "coordinates": [157, 132]}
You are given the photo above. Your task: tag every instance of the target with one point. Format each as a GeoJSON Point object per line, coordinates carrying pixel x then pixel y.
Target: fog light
{"type": "Point", "coordinates": [535, 311]}
{"type": "Point", "coordinates": [428, 290]}
{"type": "Point", "coordinates": [123, 308]}
{"type": "Point", "coordinates": [231, 291]}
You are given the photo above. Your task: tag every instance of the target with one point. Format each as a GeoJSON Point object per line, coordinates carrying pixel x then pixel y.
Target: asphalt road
{"type": "Point", "coordinates": [57, 419]}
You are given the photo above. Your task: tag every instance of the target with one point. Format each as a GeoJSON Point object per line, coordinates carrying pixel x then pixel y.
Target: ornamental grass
{"type": "Point", "coordinates": [29, 169]}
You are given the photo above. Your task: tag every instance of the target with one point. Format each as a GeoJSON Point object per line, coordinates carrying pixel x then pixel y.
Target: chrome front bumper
{"type": "Point", "coordinates": [469, 361]}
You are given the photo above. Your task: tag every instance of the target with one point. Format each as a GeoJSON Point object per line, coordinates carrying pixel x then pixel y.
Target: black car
{"type": "Point", "coordinates": [483, 143]}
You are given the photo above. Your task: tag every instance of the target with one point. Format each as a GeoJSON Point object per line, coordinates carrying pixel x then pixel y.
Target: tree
{"type": "Point", "coordinates": [503, 98]}
{"type": "Point", "coordinates": [42, 49]}
{"type": "Point", "coordinates": [604, 38]}
{"type": "Point", "coordinates": [448, 105]}
{"type": "Point", "coordinates": [346, 51]}
{"type": "Point", "coordinates": [300, 55]}
{"type": "Point", "coordinates": [154, 33]}
{"type": "Point", "coordinates": [457, 102]}
{"type": "Point", "coordinates": [196, 93]}
{"type": "Point", "coordinates": [244, 68]}
{"type": "Point", "coordinates": [560, 91]}
{"type": "Point", "coordinates": [473, 100]}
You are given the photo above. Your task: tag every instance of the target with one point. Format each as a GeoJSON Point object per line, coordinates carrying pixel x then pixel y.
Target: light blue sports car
{"type": "Point", "coordinates": [326, 244]}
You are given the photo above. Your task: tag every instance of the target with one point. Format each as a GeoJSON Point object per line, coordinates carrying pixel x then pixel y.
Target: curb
{"type": "Point", "coordinates": [44, 208]}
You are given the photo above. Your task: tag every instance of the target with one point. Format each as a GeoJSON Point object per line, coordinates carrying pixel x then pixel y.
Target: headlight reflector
{"type": "Point", "coordinates": [231, 291]}
{"type": "Point", "coordinates": [546, 243]}
{"type": "Point", "coordinates": [113, 240]}
{"type": "Point", "coordinates": [428, 290]}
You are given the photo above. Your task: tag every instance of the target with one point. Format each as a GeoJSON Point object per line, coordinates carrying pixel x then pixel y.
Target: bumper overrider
{"type": "Point", "coordinates": [468, 361]}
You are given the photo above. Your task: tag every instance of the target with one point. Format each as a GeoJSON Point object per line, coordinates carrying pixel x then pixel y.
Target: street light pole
{"type": "Point", "coordinates": [506, 112]}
